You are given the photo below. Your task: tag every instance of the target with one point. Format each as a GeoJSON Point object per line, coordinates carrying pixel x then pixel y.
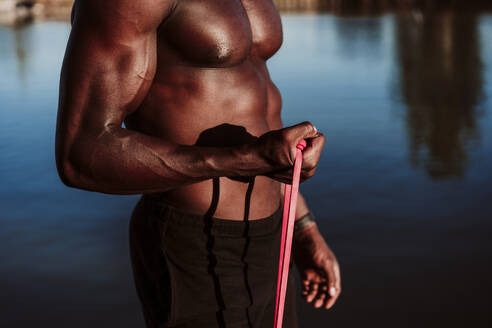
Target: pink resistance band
{"type": "Point", "coordinates": [290, 202]}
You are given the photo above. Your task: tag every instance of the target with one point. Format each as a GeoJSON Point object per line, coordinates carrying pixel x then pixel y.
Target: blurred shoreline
{"type": "Point", "coordinates": [365, 8]}
{"type": "Point", "coordinates": [18, 12]}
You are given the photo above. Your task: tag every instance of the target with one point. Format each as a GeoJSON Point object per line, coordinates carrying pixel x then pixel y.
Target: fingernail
{"type": "Point", "coordinates": [315, 130]}
{"type": "Point", "coordinates": [333, 291]}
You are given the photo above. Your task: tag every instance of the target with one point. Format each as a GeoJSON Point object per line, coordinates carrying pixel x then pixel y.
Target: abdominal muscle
{"type": "Point", "coordinates": [188, 105]}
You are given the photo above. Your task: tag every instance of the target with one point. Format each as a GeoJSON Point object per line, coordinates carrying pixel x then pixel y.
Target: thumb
{"type": "Point", "coordinates": [332, 280]}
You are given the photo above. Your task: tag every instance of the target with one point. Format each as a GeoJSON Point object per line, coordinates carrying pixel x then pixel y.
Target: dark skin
{"type": "Point", "coordinates": [170, 70]}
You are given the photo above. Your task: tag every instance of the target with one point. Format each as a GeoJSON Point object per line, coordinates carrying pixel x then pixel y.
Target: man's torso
{"type": "Point", "coordinates": [211, 70]}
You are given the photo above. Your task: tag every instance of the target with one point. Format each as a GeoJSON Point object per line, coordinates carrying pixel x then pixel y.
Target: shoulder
{"type": "Point", "coordinates": [121, 18]}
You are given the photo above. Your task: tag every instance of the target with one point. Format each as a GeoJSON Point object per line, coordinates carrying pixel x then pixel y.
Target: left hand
{"type": "Point", "coordinates": [318, 267]}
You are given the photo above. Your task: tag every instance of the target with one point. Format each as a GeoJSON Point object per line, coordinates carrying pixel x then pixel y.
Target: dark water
{"type": "Point", "coordinates": [403, 193]}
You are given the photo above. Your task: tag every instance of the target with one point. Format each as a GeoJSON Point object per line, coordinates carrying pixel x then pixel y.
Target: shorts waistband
{"type": "Point", "coordinates": [213, 225]}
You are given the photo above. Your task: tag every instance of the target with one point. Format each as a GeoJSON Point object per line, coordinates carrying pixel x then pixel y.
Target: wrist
{"type": "Point", "coordinates": [238, 161]}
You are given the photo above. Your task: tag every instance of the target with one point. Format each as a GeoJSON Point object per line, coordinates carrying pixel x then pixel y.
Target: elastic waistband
{"type": "Point", "coordinates": [213, 225]}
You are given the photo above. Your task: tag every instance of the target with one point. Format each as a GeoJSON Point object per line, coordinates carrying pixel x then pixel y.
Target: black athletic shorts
{"type": "Point", "coordinates": [197, 271]}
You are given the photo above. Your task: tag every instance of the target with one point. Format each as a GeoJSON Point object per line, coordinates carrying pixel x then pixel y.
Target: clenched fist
{"type": "Point", "coordinates": [278, 150]}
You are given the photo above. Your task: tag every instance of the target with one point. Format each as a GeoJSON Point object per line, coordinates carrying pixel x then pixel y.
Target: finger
{"type": "Point", "coordinates": [337, 284]}
{"type": "Point", "coordinates": [330, 301]}
{"type": "Point", "coordinates": [333, 294]}
{"type": "Point", "coordinates": [309, 291]}
{"type": "Point", "coordinates": [311, 158]}
{"type": "Point", "coordinates": [313, 150]}
{"type": "Point", "coordinates": [321, 296]}
{"type": "Point", "coordinates": [312, 292]}
{"type": "Point", "coordinates": [313, 141]}
{"type": "Point", "coordinates": [332, 272]}
{"type": "Point", "coordinates": [320, 299]}
{"type": "Point", "coordinates": [305, 287]}
{"type": "Point", "coordinates": [334, 284]}
{"type": "Point", "coordinates": [301, 131]}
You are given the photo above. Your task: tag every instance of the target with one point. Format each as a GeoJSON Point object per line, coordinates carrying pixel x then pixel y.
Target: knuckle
{"type": "Point", "coordinates": [309, 127]}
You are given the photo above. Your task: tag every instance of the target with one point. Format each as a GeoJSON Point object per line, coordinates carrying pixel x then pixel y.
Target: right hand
{"type": "Point", "coordinates": [278, 149]}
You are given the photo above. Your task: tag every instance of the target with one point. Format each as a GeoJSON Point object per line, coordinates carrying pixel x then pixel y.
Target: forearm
{"type": "Point", "coordinates": [122, 161]}
{"type": "Point", "coordinates": [304, 228]}
{"type": "Point", "coordinates": [302, 207]}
